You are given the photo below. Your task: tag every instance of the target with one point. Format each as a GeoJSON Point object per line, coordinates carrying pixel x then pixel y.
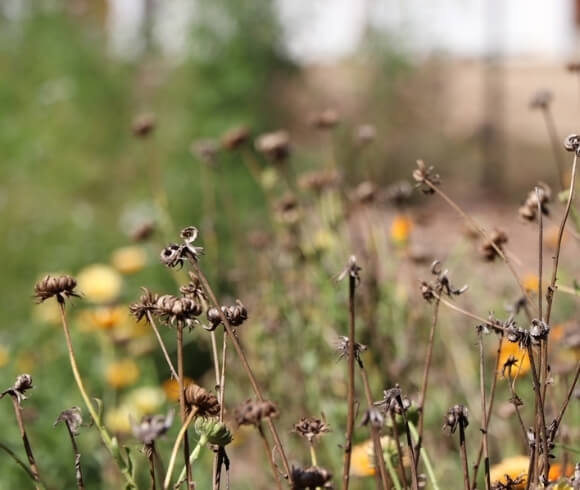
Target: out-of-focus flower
{"type": "Point", "coordinates": [236, 137]}
{"type": "Point", "coordinates": [122, 373]}
{"type": "Point", "coordinates": [146, 400]}
{"type": "Point", "coordinates": [401, 228]}
{"type": "Point", "coordinates": [100, 283]}
{"type": "Point", "coordinates": [275, 145]}
{"type": "Point", "coordinates": [117, 419]}
{"type": "Point", "coordinates": [4, 357]}
{"type": "Point", "coordinates": [489, 248]}
{"type": "Point", "coordinates": [143, 125]}
{"type": "Point", "coordinates": [151, 427]}
{"type": "Point", "coordinates": [171, 388]}
{"type": "Point", "coordinates": [365, 133]}
{"type": "Point", "coordinates": [106, 317]}
{"type": "Point", "coordinates": [47, 312]}
{"type": "Point", "coordinates": [513, 360]}
{"type": "Point", "coordinates": [551, 237]}
{"type": "Point", "coordinates": [326, 119]}
{"type": "Point", "coordinates": [557, 471]}
{"type": "Point", "coordinates": [531, 283]}
{"type": "Point", "coordinates": [269, 178]}
{"type": "Point", "coordinates": [311, 428]}
{"type": "Point", "coordinates": [129, 260]}
{"type": "Point", "coordinates": [72, 417]}
{"type": "Point", "coordinates": [363, 456]}
{"type": "Point", "coordinates": [325, 239]}
{"type": "Point", "coordinates": [514, 468]}
{"type": "Point", "coordinates": [129, 328]}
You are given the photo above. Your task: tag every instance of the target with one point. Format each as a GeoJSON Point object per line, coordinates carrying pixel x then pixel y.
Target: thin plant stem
{"type": "Point", "coordinates": [516, 406]}
{"type": "Point", "coordinates": [426, 461]}
{"type": "Point", "coordinates": [489, 412]}
{"type": "Point", "coordinates": [106, 438]}
{"type": "Point", "coordinates": [558, 420]}
{"type": "Point", "coordinates": [377, 445]}
{"type": "Point", "coordinates": [483, 233]}
{"type": "Point", "coordinates": [540, 252]}
{"type": "Point", "coordinates": [150, 452]}
{"type": "Point", "coordinates": [464, 455]}
{"type": "Point", "coordinates": [216, 365]}
{"type": "Point", "coordinates": [162, 345]}
{"type": "Point", "coordinates": [21, 463]}
{"type": "Point", "coordinates": [77, 455]}
{"type": "Point", "coordinates": [554, 140]}
{"type": "Point", "coordinates": [180, 436]}
{"type": "Point", "coordinates": [182, 409]}
{"type": "Point", "coordinates": [473, 316]}
{"type": "Point", "coordinates": [393, 474]}
{"type": "Point", "coordinates": [25, 442]}
{"type": "Point", "coordinates": [399, 449]}
{"type": "Point", "coordinates": [350, 397]}
{"type": "Point", "coordinates": [483, 412]}
{"type": "Point", "coordinates": [426, 369]}
{"type": "Point", "coordinates": [268, 450]}
{"type": "Point", "coordinates": [531, 466]}
{"type": "Point", "coordinates": [540, 410]}
{"type": "Point", "coordinates": [414, 478]}
{"type": "Point", "coordinates": [247, 368]}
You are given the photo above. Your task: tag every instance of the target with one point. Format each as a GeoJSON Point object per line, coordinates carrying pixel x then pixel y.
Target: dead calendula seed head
{"type": "Point", "coordinates": [59, 286]}
{"type": "Point", "coordinates": [425, 177]}
{"type": "Point", "coordinates": [193, 289]}
{"type": "Point", "coordinates": [373, 417]}
{"type": "Point", "coordinates": [235, 138]}
{"type": "Point", "coordinates": [312, 477]}
{"type": "Point", "coordinates": [151, 427]}
{"type": "Point", "coordinates": [147, 304]}
{"type": "Point", "coordinates": [206, 403]}
{"type": "Point", "coordinates": [326, 119]}
{"type": "Point", "coordinates": [275, 145]}
{"type": "Point", "coordinates": [343, 346]}
{"type": "Point", "coordinates": [22, 384]}
{"type": "Point", "coordinates": [72, 417]}
{"type": "Point", "coordinates": [176, 310]}
{"type": "Point", "coordinates": [318, 181]}
{"type": "Point", "coordinates": [572, 143]}
{"type": "Point", "coordinates": [399, 193]}
{"type": "Point", "coordinates": [142, 232]}
{"type": "Point", "coordinates": [541, 99]}
{"type": "Point", "coordinates": [311, 428]}
{"type": "Point", "coordinates": [542, 195]}
{"type": "Point", "coordinates": [235, 315]}
{"type": "Point", "coordinates": [489, 248]}
{"type": "Point", "coordinates": [364, 193]}
{"type": "Point", "coordinates": [143, 125]}
{"type": "Point", "coordinates": [252, 412]}
{"type": "Point", "coordinates": [352, 269]}
{"type": "Point", "coordinates": [456, 415]}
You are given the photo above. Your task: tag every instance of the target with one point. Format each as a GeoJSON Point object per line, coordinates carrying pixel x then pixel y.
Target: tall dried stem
{"type": "Point", "coordinates": [350, 397]}
{"type": "Point", "coordinates": [182, 408]}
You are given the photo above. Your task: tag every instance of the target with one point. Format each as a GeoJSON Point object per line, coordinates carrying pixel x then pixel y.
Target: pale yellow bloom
{"type": "Point", "coordinates": [122, 373]}
{"type": "Point", "coordinates": [269, 178]}
{"type": "Point", "coordinates": [4, 357]}
{"type": "Point", "coordinates": [171, 388]}
{"type": "Point", "coordinates": [146, 400]}
{"type": "Point", "coordinates": [117, 419]}
{"type": "Point", "coordinates": [129, 260]}
{"type": "Point", "coordinates": [99, 283]}
{"type": "Point", "coordinates": [107, 317]}
{"type": "Point", "coordinates": [515, 467]}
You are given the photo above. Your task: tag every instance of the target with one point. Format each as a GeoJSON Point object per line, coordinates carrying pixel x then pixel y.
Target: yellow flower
{"type": "Point", "coordinates": [515, 467]}
{"type": "Point", "coordinates": [117, 420]}
{"type": "Point", "coordinates": [171, 388]}
{"type": "Point", "coordinates": [3, 356]}
{"type": "Point", "coordinates": [363, 456]}
{"type": "Point", "coordinates": [531, 283]}
{"type": "Point", "coordinates": [122, 373]}
{"type": "Point", "coordinates": [26, 363]}
{"type": "Point", "coordinates": [129, 328]}
{"type": "Point", "coordinates": [512, 349]}
{"type": "Point", "coordinates": [129, 260]}
{"type": "Point", "coordinates": [269, 178]}
{"type": "Point", "coordinates": [401, 229]}
{"type": "Point", "coordinates": [145, 400]}
{"type": "Point", "coordinates": [106, 317]}
{"type": "Point", "coordinates": [99, 283]}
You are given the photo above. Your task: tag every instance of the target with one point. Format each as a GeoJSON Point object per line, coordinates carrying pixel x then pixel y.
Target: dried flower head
{"type": "Point", "coordinates": [176, 310]}
{"type": "Point", "coordinates": [425, 177]}
{"type": "Point", "coordinates": [393, 400]}
{"type": "Point", "coordinates": [235, 138]}
{"type": "Point", "coordinates": [151, 427]}
{"type": "Point", "coordinates": [440, 284]}
{"type": "Point", "coordinates": [58, 286]}
{"type": "Point", "coordinates": [143, 232]}
{"type": "Point", "coordinates": [252, 412]}
{"type": "Point", "coordinates": [310, 478]}
{"type": "Point", "coordinates": [364, 134]}
{"type": "Point", "coordinates": [542, 195]}
{"type": "Point", "coordinates": [572, 143]}
{"type": "Point", "coordinates": [311, 428]}
{"type": "Point", "coordinates": [175, 255]}
{"type": "Point", "coordinates": [147, 304]}
{"type": "Point", "coordinates": [352, 269]}
{"type": "Point", "coordinates": [206, 150]}
{"type": "Point", "coordinates": [194, 289]}
{"type": "Point", "coordinates": [457, 415]}
{"type": "Point", "coordinates": [399, 193]}
{"type": "Point", "coordinates": [206, 403]}
{"type": "Point", "coordinates": [541, 99]}
{"type": "Point", "coordinates": [539, 331]}
{"type": "Point", "coordinates": [275, 145]}
{"type": "Point", "coordinates": [343, 346]}
{"type": "Point", "coordinates": [143, 125]}
{"type": "Point", "coordinates": [373, 417]}
{"type": "Point", "coordinates": [22, 384]}
{"type": "Point", "coordinates": [318, 181]}
{"type": "Point", "coordinates": [288, 209]}
{"type": "Point", "coordinates": [364, 193]}
{"type": "Point", "coordinates": [326, 119]}
{"type": "Point", "coordinates": [235, 315]}
{"type": "Point", "coordinates": [489, 248]}
{"type": "Point", "coordinates": [72, 417]}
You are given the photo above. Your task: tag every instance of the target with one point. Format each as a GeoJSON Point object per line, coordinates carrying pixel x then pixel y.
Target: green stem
{"type": "Point", "coordinates": [393, 473]}
{"type": "Point", "coordinates": [425, 458]}
{"type": "Point", "coordinates": [194, 455]}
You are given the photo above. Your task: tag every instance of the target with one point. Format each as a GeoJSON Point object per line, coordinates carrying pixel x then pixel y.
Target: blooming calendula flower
{"type": "Point", "coordinates": [120, 374]}
{"type": "Point", "coordinates": [514, 468]}
{"type": "Point", "coordinates": [171, 388]}
{"type": "Point", "coordinates": [129, 260]}
{"type": "Point", "coordinates": [531, 283]}
{"type": "Point", "coordinates": [513, 360]}
{"type": "Point", "coordinates": [145, 400]}
{"type": "Point", "coordinates": [401, 229]}
{"type": "Point", "coordinates": [99, 283]}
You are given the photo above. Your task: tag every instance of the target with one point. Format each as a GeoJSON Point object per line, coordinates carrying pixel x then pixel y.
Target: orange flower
{"type": "Point", "coordinates": [122, 373]}
{"type": "Point", "coordinates": [515, 467]}
{"type": "Point", "coordinates": [401, 229]}
{"type": "Point", "coordinates": [513, 350]}
{"type": "Point", "coordinates": [171, 388]}
{"type": "Point", "coordinates": [557, 471]}
{"type": "Point", "coordinates": [106, 317]}
{"type": "Point", "coordinates": [531, 283]}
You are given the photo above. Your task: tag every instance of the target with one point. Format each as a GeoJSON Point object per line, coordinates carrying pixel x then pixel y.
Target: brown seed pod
{"type": "Point", "coordinates": [143, 125]}
{"type": "Point", "coordinates": [206, 403]}
{"type": "Point", "coordinates": [58, 286]}
{"type": "Point", "coordinates": [274, 145]}
{"type": "Point", "coordinates": [235, 138]}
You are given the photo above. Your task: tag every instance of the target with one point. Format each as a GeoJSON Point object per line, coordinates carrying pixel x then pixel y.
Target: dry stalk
{"type": "Point", "coordinates": [269, 455]}
{"type": "Point", "coordinates": [182, 410]}
{"type": "Point", "coordinates": [25, 442]}
{"type": "Point", "coordinates": [483, 411]}
{"type": "Point", "coordinates": [162, 345]}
